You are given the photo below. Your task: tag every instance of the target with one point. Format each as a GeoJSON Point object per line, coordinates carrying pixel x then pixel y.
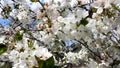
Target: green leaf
{"type": "Point", "coordinates": [50, 62]}
{"type": "Point", "coordinates": [34, 0]}
{"type": "Point", "coordinates": [77, 24]}
{"type": "Point", "coordinates": [93, 10]}
{"type": "Point", "coordinates": [17, 6]}
{"type": "Point", "coordinates": [83, 22]}
{"type": "Point", "coordinates": [30, 43]}
{"type": "Point", "coordinates": [115, 7]}
{"type": "Point", "coordinates": [3, 48]}
{"type": "Point", "coordinates": [115, 62]}
{"type": "Point", "coordinates": [41, 63]}
{"type": "Point", "coordinates": [18, 36]}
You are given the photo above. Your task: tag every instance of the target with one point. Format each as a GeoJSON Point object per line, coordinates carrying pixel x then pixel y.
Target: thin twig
{"type": "Point", "coordinates": [93, 53]}
{"type": "Point", "coordinates": [46, 15]}
{"type": "Point", "coordinates": [33, 30]}
{"type": "Point", "coordinates": [45, 10]}
{"type": "Point", "coordinates": [17, 25]}
{"type": "Point", "coordinates": [32, 37]}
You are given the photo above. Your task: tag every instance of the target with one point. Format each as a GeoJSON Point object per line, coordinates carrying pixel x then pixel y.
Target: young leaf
{"type": "Point", "coordinates": [18, 36]}
{"type": "Point", "coordinates": [115, 7]}
{"type": "Point", "coordinates": [34, 0]}
{"type": "Point", "coordinates": [83, 22]}
{"type": "Point", "coordinates": [115, 62]}
{"type": "Point", "coordinates": [41, 63]}
{"type": "Point", "coordinates": [50, 62]}
{"type": "Point", "coordinates": [77, 24]}
{"type": "Point", "coordinates": [3, 48]}
{"type": "Point", "coordinates": [30, 43]}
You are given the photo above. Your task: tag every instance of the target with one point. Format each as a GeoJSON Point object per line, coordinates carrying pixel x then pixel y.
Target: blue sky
{"type": "Point", "coordinates": [69, 42]}
{"type": "Point", "coordinates": [4, 22]}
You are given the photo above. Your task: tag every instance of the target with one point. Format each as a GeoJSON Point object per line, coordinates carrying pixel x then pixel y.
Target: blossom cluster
{"type": "Point", "coordinates": [41, 28]}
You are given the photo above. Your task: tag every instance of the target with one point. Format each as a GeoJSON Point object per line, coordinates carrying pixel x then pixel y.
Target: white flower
{"type": "Point", "coordinates": [19, 45]}
{"type": "Point", "coordinates": [116, 2]}
{"type": "Point", "coordinates": [95, 15]}
{"type": "Point", "coordinates": [99, 10]}
{"type": "Point", "coordinates": [85, 1]}
{"type": "Point", "coordinates": [102, 36]}
{"type": "Point", "coordinates": [56, 1]}
{"type": "Point", "coordinates": [23, 55]}
{"type": "Point", "coordinates": [70, 19]}
{"type": "Point", "coordinates": [6, 2]}
{"type": "Point", "coordinates": [71, 57]}
{"type": "Point", "coordinates": [2, 38]}
{"type": "Point", "coordinates": [81, 13]}
{"type": "Point", "coordinates": [91, 25]}
{"type": "Point", "coordinates": [107, 4]}
{"type": "Point", "coordinates": [26, 58]}
{"type": "Point", "coordinates": [60, 19]}
{"type": "Point", "coordinates": [83, 54]}
{"type": "Point", "coordinates": [103, 64]}
{"type": "Point", "coordinates": [18, 28]}
{"type": "Point", "coordinates": [20, 64]}
{"type": "Point", "coordinates": [42, 53]}
{"type": "Point", "coordinates": [1, 10]}
{"type": "Point", "coordinates": [59, 4]}
{"type": "Point", "coordinates": [92, 64]}
{"type": "Point", "coordinates": [74, 57]}
{"type": "Point", "coordinates": [73, 3]}
{"type": "Point", "coordinates": [73, 32]}
{"type": "Point", "coordinates": [35, 6]}
{"type": "Point", "coordinates": [22, 15]}
{"type": "Point", "coordinates": [105, 27]}
{"type": "Point", "coordinates": [14, 56]}
{"type": "Point", "coordinates": [14, 13]}
{"type": "Point", "coordinates": [118, 30]}
{"type": "Point", "coordinates": [47, 1]}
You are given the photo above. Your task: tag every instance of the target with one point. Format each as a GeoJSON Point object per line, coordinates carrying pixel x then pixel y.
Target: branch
{"type": "Point", "coordinates": [17, 25]}
{"type": "Point", "coordinates": [114, 35]}
{"type": "Point", "coordinates": [46, 15]}
{"type": "Point", "coordinates": [41, 42]}
{"type": "Point", "coordinates": [44, 9]}
{"type": "Point", "coordinates": [33, 30]}
{"type": "Point", "coordinates": [95, 56]}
